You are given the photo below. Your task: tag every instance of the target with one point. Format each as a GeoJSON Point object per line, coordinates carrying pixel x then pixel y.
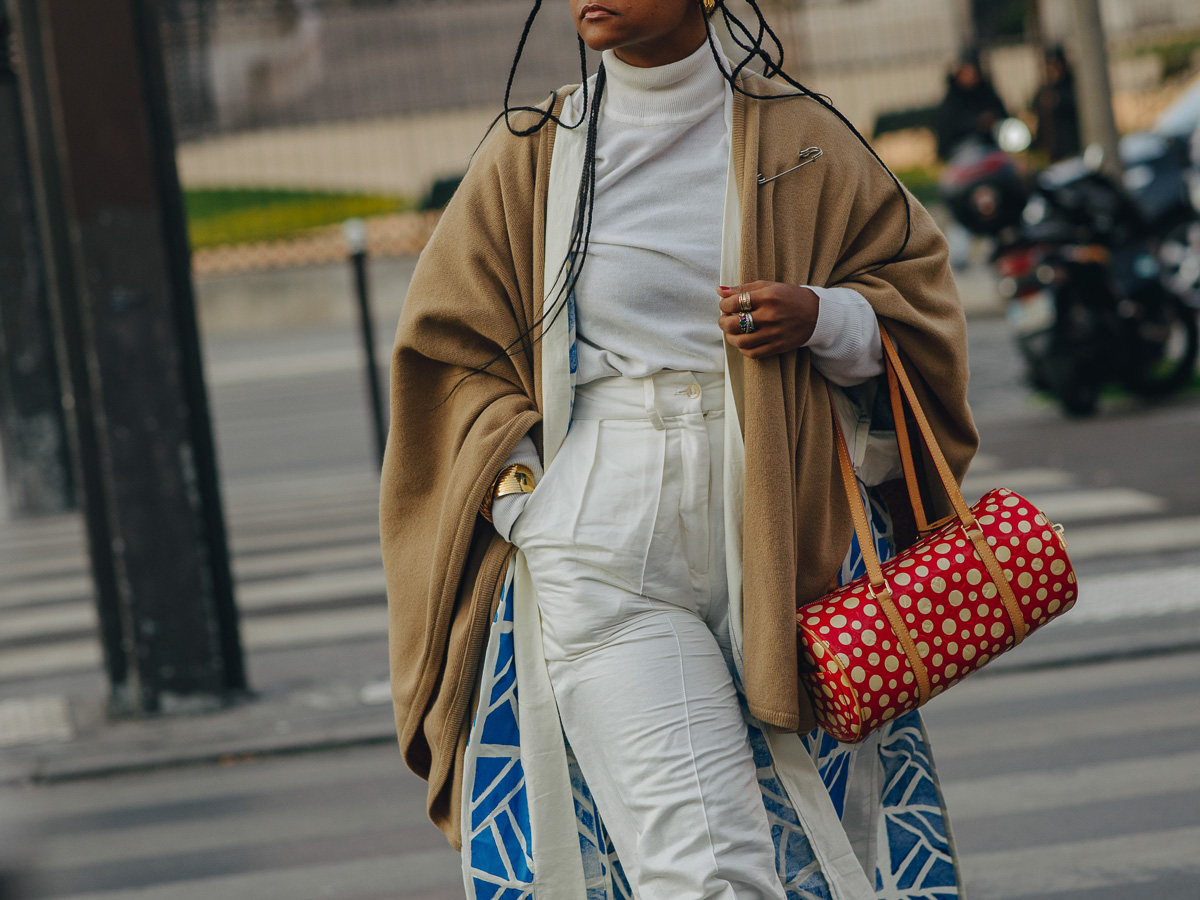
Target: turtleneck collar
{"type": "Point", "coordinates": [683, 91]}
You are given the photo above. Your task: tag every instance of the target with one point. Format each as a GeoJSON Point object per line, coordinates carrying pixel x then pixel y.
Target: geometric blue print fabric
{"type": "Point", "coordinates": [914, 850]}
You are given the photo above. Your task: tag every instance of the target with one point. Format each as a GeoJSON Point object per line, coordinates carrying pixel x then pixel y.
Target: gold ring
{"type": "Point", "coordinates": [744, 302]}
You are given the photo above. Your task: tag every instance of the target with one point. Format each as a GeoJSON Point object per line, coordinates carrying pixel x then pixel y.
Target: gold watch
{"type": "Point", "coordinates": [514, 479]}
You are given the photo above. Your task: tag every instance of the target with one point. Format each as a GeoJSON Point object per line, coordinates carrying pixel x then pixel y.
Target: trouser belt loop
{"type": "Point", "coordinates": [652, 405]}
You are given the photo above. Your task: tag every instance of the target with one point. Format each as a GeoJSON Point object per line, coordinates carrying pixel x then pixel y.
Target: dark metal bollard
{"type": "Point", "coordinates": [355, 232]}
{"type": "Point", "coordinates": [102, 155]}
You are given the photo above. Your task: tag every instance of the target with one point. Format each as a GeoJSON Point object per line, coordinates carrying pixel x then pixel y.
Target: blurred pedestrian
{"type": "Point", "coordinates": [1054, 105]}
{"type": "Point", "coordinates": [614, 709]}
{"type": "Point", "coordinates": [971, 108]}
{"type": "Point", "coordinates": [970, 111]}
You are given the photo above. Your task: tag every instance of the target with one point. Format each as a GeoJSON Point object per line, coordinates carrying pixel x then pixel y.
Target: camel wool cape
{"type": "Point", "coordinates": [478, 288]}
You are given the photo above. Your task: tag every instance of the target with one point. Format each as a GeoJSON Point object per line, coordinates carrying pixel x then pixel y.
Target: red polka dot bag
{"type": "Point", "coordinates": [916, 625]}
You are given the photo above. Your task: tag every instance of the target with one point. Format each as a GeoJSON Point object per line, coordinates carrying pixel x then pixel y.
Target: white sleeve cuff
{"type": "Point", "coordinates": [845, 343]}
{"type": "Point", "coordinates": [506, 509]}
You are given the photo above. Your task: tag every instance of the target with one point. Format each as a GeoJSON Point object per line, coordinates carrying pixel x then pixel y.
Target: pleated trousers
{"type": "Point", "coordinates": [624, 539]}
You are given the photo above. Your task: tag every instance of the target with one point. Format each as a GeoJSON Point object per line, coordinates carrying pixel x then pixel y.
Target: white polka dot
{"type": "Point", "coordinates": [891, 664]}
{"type": "Point", "coordinates": [858, 673]}
{"type": "Point", "coordinates": [968, 652]}
{"type": "Point", "coordinates": [838, 621]}
{"type": "Point", "coordinates": [998, 630]}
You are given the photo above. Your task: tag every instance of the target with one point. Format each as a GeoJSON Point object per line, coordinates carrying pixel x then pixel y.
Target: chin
{"type": "Point", "coordinates": [600, 36]}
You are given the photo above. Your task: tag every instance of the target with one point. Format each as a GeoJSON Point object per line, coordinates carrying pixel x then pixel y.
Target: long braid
{"type": "Point", "coordinates": [754, 49]}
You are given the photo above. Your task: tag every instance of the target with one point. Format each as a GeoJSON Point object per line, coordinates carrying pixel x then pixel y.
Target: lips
{"type": "Point", "coordinates": [592, 12]}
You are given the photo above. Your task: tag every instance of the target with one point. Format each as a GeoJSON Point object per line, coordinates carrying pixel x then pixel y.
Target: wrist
{"type": "Point", "coordinates": [516, 478]}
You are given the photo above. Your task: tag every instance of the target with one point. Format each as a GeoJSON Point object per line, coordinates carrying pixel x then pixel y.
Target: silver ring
{"type": "Point", "coordinates": [744, 302]}
{"type": "Point", "coordinates": [746, 321]}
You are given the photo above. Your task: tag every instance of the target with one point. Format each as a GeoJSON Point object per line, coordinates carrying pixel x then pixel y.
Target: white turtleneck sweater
{"type": "Point", "coordinates": [646, 298]}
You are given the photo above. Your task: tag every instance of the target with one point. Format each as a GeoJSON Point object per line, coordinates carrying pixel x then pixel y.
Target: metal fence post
{"type": "Point", "coordinates": [355, 232]}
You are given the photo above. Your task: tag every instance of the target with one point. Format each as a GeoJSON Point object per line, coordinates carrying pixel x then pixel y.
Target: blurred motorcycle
{"type": "Point", "coordinates": [1078, 259]}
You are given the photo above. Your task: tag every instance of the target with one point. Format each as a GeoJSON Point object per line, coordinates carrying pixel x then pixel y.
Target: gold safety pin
{"type": "Point", "coordinates": [807, 155]}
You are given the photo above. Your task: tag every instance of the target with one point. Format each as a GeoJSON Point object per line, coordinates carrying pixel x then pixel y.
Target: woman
{"type": "Point", "coordinates": [612, 710]}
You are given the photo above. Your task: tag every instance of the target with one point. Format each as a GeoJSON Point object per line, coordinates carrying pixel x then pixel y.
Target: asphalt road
{"type": "Point", "coordinates": [1063, 785]}
{"type": "Point", "coordinates": [1064, 782]}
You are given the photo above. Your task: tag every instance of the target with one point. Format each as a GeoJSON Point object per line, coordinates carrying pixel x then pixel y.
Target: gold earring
{"type": "Point", "coordinates": [708, 6]}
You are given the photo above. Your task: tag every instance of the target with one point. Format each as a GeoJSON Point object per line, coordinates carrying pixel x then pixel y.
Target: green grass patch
{"type": "Point", "coordinates": [1175, 55]}
{"type": "Point", "coordinates": [922, 181]}
{"type": "Point", "coordinates": [242, 215]}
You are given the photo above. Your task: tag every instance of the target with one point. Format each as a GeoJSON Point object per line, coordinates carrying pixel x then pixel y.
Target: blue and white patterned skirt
{"type": "Point", "coordinates": [885, 792]}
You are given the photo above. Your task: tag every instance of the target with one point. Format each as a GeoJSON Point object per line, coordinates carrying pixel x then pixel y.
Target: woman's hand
{"type": "Point", "coordinates": [784, 317]}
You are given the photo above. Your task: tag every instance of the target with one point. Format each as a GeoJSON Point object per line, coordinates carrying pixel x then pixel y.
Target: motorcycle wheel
{"type": "Point", "coordinates": [1077, 397]}
{"type": "Point", "coordinates": [1165, 348]}
{"type": "Point", "coordinates": [1179, 254]}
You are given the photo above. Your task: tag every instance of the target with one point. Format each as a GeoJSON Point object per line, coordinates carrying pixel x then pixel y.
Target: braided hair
{"type": "Point", "coordinates": [759, 43]}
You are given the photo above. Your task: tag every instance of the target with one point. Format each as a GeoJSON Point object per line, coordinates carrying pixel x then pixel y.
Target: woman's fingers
{"type": "Point", "coordinates": [783, 317]}
{"type": "Point", "coordinates": [730, 295]}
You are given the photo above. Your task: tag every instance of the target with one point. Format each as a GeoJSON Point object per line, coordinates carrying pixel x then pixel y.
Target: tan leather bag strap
{"type": "Point", "coordinates": [880, 590]}
{"type": "Point", "coordinates": [965, 516]}
{"type": "Point", "coordinates": [907, 462]}
{"type": "Point", "coordinates": [899, 384]}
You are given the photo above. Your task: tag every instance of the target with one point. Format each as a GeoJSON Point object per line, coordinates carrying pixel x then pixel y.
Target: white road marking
{"type": "Point", "coordinates": [1078, 866]}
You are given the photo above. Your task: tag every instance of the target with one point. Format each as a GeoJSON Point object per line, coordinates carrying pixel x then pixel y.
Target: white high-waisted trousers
{"type": "Point", "coordinates": [624, 538]}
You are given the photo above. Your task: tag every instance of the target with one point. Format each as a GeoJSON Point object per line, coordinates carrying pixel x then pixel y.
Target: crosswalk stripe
{"type": "Point", "coordinates": [1098, 503]}
{"type": "Point", "coordinates": [1044, 730]}
{"type": "Point", "coordinates": [1151, 593]}
{"type": "Point", "coordinates": [314, 628]}
{"type": "Point", "coordinates": [83, 654]}
{"type": "Point", "coordinates": [50, 590]}
{"type": "Point", "coordinates": [50, 659]}
{"type": "Point", "coordinates": [980, 692]}
{"type": "Point", "coordinates": [249, 544]}
{"type": "Point", "coordinates": [385, 876]}
{"type": "Point", "coordinates": [67, 618]}
{"type": "Point", "coordinates": [350, 813]}
{"type": "Point", "coordinates": [316, 587]}
{"type": "Point", "coordinates": [1129, 539]}
{"type": "Point", "coordinates": [1083, 865]}
{"type": "Point", "coordinates": [1022, 481]}
{"type": "Point", "coordinates": [275, 565]}
{"type": "Point", "coordinates": [1038, 791]}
